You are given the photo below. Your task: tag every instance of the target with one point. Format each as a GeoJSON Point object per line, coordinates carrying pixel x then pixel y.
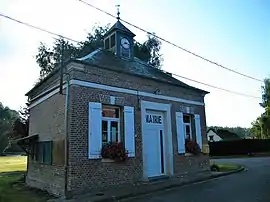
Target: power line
{"type": "Point", "coordinates": [38, 28]}
{"type": "Point", "coordinates": [216, 87]}
{"type": "Point", "coordinates": [173, 44]}
{"type": "Point", "coordinates": [52, 33]}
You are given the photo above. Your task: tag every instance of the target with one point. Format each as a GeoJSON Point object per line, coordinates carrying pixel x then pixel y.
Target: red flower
{"type": "Point", "coordinates": [114, 151]}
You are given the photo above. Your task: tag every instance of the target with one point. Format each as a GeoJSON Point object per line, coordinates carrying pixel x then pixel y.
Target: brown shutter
{"type": "Point", "coordinates": [59, 152]}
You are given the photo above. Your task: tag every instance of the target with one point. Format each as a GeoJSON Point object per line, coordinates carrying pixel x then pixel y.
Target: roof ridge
{"type": "Point", "coordinates": [90, 55]}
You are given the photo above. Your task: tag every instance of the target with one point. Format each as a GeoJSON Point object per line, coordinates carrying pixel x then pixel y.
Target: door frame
{"type": "Point", "coordinates": [168, 147]}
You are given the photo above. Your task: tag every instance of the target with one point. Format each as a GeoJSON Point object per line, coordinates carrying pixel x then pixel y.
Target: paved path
{"type": "Point", "coordinates": [250, 186]}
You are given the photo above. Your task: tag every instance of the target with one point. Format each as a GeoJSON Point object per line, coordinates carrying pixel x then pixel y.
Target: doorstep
{"type": "Point", "coordinates": [124, 192]}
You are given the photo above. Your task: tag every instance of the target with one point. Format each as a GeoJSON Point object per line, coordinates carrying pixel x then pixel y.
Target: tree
{"type": "Point", "coordinates": [261, 126]}
{"type": "Point", "coordinates": [7, 117]}
{"type": "Point", "coordinates": [48, 58]}
{"type": "Point", "coordinates": [21, 124]}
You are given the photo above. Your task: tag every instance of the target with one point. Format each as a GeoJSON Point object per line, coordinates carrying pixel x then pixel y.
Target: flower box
{"type": "Point", "coordinates": [114, 151]}
{"type": "Point", "coordinates": [192, 147]}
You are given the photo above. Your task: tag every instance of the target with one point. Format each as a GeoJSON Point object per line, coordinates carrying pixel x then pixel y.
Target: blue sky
{"type": "Point", "coordinates": [233, 33]}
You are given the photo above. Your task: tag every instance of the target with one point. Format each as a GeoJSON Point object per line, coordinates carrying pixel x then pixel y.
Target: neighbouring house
{"type": "Point", "coordinates": [111, 96]}
{"type": "Point", "coordinates": [215, 135]}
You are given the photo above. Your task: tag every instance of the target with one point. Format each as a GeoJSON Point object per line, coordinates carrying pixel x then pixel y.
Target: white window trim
{"type": "Point", "coordinates": [109, 120]}
{"type": "Point", "coordinates": [190, 129]}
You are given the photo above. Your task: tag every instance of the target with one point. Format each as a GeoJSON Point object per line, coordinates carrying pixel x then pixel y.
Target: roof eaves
{"type": "Point", "coordinates": [95, 65]}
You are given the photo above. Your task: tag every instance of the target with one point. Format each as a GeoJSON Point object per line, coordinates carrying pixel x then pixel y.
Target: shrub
{"type": "Point", "coordinates": [192, 147]}
{"type": "Point", "coordinates": [214, 168]}
{"type": "Point", "coordinates": [115, 151]}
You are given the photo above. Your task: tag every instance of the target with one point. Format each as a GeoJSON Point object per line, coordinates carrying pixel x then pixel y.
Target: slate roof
{"type": "Point", "coordinates": [118, 25]}
{"type": "Point", "coordinates": [107, 59]}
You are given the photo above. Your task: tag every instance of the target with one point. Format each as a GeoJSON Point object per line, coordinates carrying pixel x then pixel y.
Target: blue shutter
{"type": "Point", "coordinates": [94, 130]}
{"type": "Point", "coordinates": [198, 130]}
{"type": "Point", "coordinates": [180, 133]}
{"type": "Point", "coordinates": [129, 130]}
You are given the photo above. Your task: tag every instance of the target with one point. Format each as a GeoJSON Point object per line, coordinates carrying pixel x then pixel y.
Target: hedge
{"type": "Point", "coordinates": [239, 147]}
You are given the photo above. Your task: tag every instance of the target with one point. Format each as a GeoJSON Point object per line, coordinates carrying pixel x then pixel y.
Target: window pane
{"type": "Point", "coordinates": [186, 119]}
{"type": "Point", "coordinates": [107, 43]}
{"type": "Point", "coordinates": [188, 129]}
{"type": "Point", "coordinates": [40, 152]}
{"type": "Point", "coordinates": [114, 131]}
{"type": "Point", "coordinates": [47, 155]}
{"type": "Point", "coordinates": [104, 131]}
{"type": "Point", "coordinates": [110, 112]}
{"type": "Point", "coordinates": [113, 40]}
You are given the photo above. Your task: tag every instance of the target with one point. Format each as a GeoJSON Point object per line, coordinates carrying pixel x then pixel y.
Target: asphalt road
{"type": "Point", "coordinates": [248, 186]}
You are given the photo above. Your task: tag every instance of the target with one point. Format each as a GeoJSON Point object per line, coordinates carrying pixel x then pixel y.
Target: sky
{"type": "Point", "coordinates": [233, 33]}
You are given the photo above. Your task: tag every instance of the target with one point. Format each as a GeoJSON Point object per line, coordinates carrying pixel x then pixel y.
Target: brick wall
{"type": "Point", "coordinates": [123, 80]}
{"type": "Point", "coordinates": [85, 174]}
{"type": "Point", "coordinates": [47, 120]}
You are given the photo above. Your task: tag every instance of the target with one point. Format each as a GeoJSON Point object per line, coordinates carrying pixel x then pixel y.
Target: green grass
{"type": "Point", "coordinates": [227, 167]}
{"type": "Point", "coordinates": [12, 189]}
{"type": "Point", "coordinates": [12, 163]}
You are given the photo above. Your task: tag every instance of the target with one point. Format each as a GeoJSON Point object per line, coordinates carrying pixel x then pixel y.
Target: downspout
{"type": "Point", "coordinates": [66, 128]}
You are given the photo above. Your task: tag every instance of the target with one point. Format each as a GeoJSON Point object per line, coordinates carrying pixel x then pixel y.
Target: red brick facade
{"type": "Point", "coordinates": [83, 174]}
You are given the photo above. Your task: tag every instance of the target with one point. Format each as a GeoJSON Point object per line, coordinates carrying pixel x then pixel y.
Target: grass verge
{"type": "Point", "coordinates": [224, 167]}
{"type": "Point", "coordinates": [227, 167]}
{"type": "Point", "coordinates": [12, 163]}
{"type": "Point", "coordinates": [12, 189]}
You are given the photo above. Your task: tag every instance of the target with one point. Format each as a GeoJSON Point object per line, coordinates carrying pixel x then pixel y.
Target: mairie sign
{"type": "Point", "coordinates": [153, 119]}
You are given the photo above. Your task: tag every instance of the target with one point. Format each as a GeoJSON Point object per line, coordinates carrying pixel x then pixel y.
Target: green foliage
{"type": "Point", "coordinates": [261, 126]}
{"type": "Point", "coordinates": [7, 118]}
{"type": "Point", "coordinates": [48, 58]}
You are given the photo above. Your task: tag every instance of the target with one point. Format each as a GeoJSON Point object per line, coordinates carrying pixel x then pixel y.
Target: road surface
{"type": "Point", "coordinates": [248, 186]}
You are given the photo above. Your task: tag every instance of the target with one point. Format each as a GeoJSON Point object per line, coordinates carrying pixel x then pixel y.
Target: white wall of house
{"type": "Point", "coordinates": [215, 138]}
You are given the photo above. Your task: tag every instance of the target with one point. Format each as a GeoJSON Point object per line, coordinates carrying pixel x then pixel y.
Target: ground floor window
{"type": "Point", "coordinates": [43, 152]}
{"type": "Point", "coordinates": [110, 124]}
{"type": "Point", "coordinates": [189, 126]}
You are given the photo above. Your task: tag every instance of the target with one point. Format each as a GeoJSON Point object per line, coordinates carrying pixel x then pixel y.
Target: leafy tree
{"type": "Point", "coordinates": [7, 117]}
{"type": "Point", "coordinates": [47, 58]}
{"type": "Point", "coordinates": [21, 124]}
{"type": "Point", "coordinates": [261, 126]}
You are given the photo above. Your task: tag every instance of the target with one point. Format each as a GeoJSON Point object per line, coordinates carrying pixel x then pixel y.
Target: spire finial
{"type": "Point", "coordinates": [118, 12]}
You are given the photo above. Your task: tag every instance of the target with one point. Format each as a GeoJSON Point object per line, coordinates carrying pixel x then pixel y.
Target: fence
{"type": "Point", "coordinates": [239, 147]}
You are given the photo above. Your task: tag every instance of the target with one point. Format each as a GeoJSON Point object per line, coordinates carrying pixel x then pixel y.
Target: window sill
{"type": "Point", "coordinates": [103, 160]}
{"type": "Point", "coordinates": [189, 154]}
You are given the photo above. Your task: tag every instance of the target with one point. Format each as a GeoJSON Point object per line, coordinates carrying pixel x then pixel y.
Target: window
{"type": "Point", "coordinates": [110, 124]}
{"type": "Point", "coordinates": [44, 152]}
{"type": "Point", "coordinates": [112, 39]}
{"type": "Point", "coordinates": [187, 126]}
{"type": "Point", "coordinates": [107, 44]}
{"type": "Point", "coordinates": [211, 138]}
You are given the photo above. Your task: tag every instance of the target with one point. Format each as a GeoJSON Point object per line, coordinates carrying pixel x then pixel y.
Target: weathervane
{"type": "Point", "coordinates": [118, 12]}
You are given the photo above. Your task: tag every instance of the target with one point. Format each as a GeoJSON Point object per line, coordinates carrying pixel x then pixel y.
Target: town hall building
{"type": "Point", "coordinates": [113, 102]}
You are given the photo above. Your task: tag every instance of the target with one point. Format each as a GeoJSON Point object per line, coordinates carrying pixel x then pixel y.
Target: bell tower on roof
{"type": "Point", "coordinates": [119, 39]}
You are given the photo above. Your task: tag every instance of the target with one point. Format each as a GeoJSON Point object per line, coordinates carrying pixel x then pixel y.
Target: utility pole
{"type": "Point", "coordinates": [61, 67]}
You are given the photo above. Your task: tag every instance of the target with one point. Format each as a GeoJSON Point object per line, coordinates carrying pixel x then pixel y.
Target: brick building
{"type": "Point", "coordinates": [111, 96]}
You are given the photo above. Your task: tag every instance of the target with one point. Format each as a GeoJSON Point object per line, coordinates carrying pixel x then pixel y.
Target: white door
{"type": "Point", "coordinates": [154, 140]}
